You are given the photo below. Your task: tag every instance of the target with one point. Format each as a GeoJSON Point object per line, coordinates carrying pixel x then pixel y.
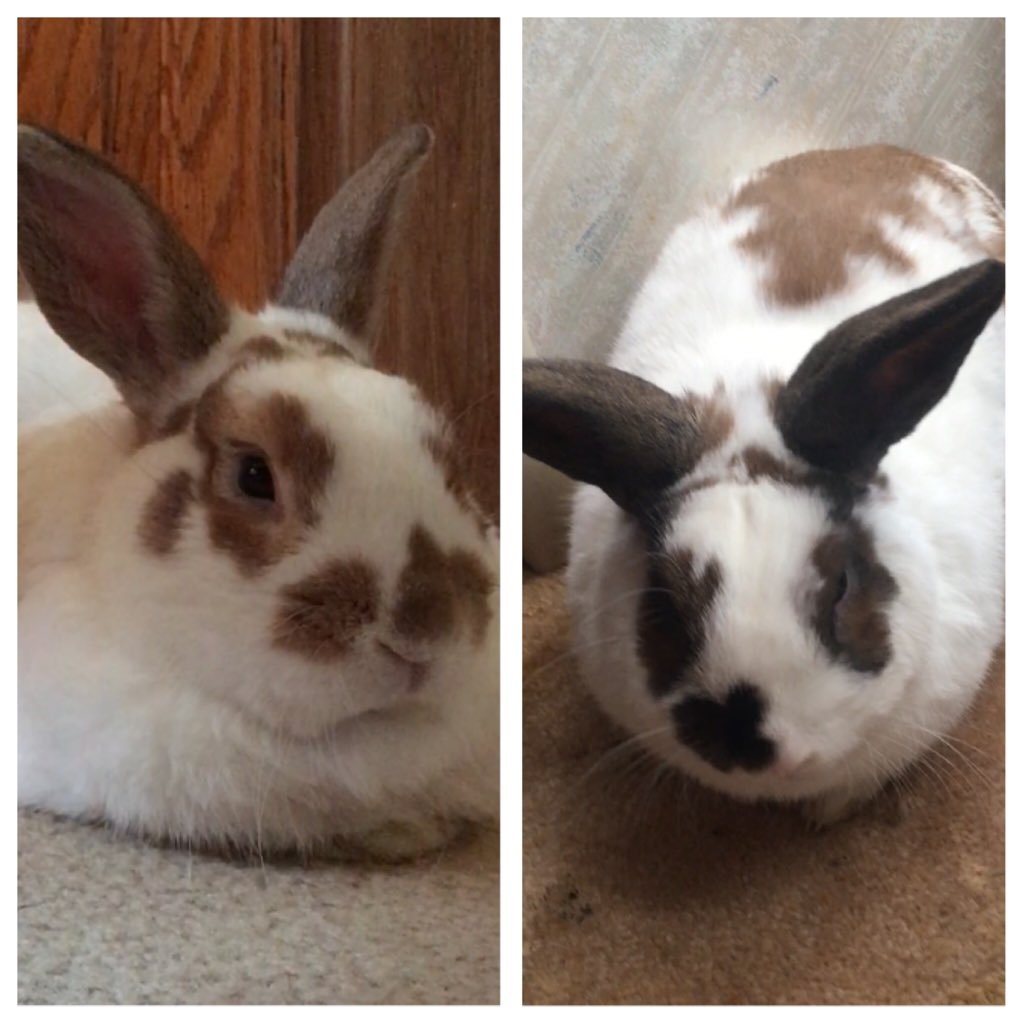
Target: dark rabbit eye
{"type": "Point", "coordinates": [254, 478]}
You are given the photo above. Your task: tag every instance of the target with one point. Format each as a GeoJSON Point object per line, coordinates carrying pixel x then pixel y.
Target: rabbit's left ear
{"type": "Point", "coordinates": [339, 267]}
{"type": "Point", "coordinates": [870, 381]}
{"type": "Point", "coordinates": [109, 271]}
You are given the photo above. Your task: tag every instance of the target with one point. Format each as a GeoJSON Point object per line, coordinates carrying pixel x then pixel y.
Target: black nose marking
{"type": "Point", "coordinates": [726, 734]}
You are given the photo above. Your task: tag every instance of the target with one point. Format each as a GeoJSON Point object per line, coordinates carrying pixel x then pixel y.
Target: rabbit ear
{"type": "Point", "coordinates": [339, 266]}
{"type": "Point", "coordinates": [108, 269]}
{"type": "Point", "coordinates": [870, 381]}
{"type": "Point", "coordinates": [609, 428]}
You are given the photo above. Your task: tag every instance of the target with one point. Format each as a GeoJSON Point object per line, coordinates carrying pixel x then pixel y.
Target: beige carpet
{"type": "Point", "coordinates": [638, 891]}
{"type": "Point", "coordinates": [102, 919]}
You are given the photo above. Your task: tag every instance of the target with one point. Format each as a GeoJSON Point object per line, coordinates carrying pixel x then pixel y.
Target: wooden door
{"type": "Point", "coordinates": [242, 128]}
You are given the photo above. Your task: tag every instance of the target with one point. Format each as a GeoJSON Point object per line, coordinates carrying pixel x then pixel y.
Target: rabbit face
{"type": "Point", "coordinates": [297, 514]}
{"type": "Point", "coordinates": [757, 650]}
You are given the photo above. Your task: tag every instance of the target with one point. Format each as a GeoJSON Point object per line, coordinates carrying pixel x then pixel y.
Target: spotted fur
{"type": "Point", "coordinates": [256, 611]}
{"type": "Point", "coordinates": [792, 597]}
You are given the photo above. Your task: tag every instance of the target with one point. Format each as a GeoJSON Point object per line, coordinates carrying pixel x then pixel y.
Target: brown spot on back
{"type": "Point", "coordinates": [164, 513]}
{"type": "Point", "coordinates": [850, 605]}
{"type": "Point", "coordinates": [436, 589]}
{"type": "Point", "coordinates": [320, 617]}
{"type": "Point", "coordinates": [819, 209]}
{"type": "Point", "coordinates": [672, 616]}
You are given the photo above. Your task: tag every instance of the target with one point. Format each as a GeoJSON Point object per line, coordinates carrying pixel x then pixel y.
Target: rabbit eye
{"type": "Point", "coordinates": [255, 479]}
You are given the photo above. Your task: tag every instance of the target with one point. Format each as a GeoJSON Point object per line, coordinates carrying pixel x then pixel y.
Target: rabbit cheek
{"type": "Point", "coordinates": [437, 590]}
{"type": "Point", "coordinates": [673, 615]}
{"type": "Point", "coordinates": [321, 616]}
{"type": "Point", "coordinates": [164, 514]}
{"type": "Point", "coordinates": [447, 459]}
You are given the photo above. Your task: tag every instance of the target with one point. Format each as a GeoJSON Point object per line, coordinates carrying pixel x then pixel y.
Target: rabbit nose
{"type": "Point", "coordinates": [406, 653]}
{"type": "Point", "coordinates": [406, 658]}
{"type": "Point", "coordinates": [726, 733]}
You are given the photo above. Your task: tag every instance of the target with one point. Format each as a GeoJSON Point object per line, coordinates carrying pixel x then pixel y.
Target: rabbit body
{"type": "Point", "coordinates": [780, 688]}
{"type": "Point", "coordinates": [298, 668]}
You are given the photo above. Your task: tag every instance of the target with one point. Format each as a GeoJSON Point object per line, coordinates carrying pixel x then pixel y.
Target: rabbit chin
{"type": "Point", "coordinates": [801, 784]}
{"type": "Point", "coordinates": [371, 685]}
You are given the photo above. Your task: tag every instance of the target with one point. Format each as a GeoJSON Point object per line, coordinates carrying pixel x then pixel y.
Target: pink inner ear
{"type": "Point", "coordinates": [98, 248]}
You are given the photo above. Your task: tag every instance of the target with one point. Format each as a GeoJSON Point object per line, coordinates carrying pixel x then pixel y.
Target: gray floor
{"type": "Point", "coordinates": [629, 124]}
{"type": "Point", "coordinates": [105, 919]}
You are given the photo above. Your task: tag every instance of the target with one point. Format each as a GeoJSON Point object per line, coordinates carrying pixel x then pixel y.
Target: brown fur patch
{"type": "Point", "coordinates": [819, 209]}
{"type": "Point", "coordinates": [456, 477]}
{"type": "Point", "coordinates": [772, 389]}
{"type": "Point", "coordinates": [436, 590]}
{"type": "Point", "coordinates": [759, 463]}
{"type": "Point", "coordinates": [320, 616]}
{"type": "Point", "coordinates": [176, 422]}
{"type": "Point", "coordinates": [712, 416]}
{"type": "Point", "coordinates": [319, 343]}
{"type": "Point", "coordinates": [300, 457]}
{"type": "Point", "coordinates": [164, 513]}
{"type": "Point", "coordinates": [672, 616]}
{"type": "Point", "coordinates": [853, 624]}
{"type": "Point", "coordinates": [263, 347]}
{"type": "Point", "coordinates": [304, 453]}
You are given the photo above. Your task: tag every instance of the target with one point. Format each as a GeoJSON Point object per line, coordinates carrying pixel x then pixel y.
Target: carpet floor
{"type": "Point", "coordinates": [639, 889]}
{"type": "Point", "coordinates": [102, 919]}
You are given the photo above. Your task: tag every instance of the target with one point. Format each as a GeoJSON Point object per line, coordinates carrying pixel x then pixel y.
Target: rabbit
{"type": "Point", "coordinates": [257, 600]}
{"type": "Point", "coordinates": [786, 550]}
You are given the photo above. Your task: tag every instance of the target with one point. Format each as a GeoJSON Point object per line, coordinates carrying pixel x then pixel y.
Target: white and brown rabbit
{"type": "Point", "coordinates": [786, 573]}
{"type": "Point", "coordinates": [258, 608]}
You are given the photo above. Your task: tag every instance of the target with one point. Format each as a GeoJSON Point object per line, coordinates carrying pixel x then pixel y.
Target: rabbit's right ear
{"type": "Point", "coordinates": [339, 266]}
{"type": "Point", "coordinates": [108, 269]}
{"type": "Point", "coordinates": [609, 428]}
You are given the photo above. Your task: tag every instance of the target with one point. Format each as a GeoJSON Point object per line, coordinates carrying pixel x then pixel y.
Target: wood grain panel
{"type": "Point", "coordinates": [441, 327]}
{"type": "Point", "coordinates": [228, 118]}
{"type": "Point", "coordinates": [242, 128]}
{"type": "Point", "coordinates": [59, 76]}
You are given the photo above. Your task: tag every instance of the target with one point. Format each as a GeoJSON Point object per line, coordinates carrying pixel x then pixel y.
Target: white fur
{"type": "Point", "coordinates": [700, 320]}
{"type": "Point", "coordinates": [150, 695]}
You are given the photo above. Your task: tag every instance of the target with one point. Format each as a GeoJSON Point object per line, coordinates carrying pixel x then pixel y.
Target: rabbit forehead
{"type": "Point", "coordinates": [777, 552]}
{"type": "Point", "coordinates": [352, 403]}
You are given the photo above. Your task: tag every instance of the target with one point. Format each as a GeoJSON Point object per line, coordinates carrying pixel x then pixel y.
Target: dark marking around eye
{"type": "Point", "coordinates": [850, 612]}
{"type": "Point", "coordinates": [673, 615]}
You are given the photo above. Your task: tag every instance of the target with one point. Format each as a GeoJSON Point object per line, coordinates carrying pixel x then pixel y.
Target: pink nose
{"type": "Point", "coordinates": [416, 663]}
